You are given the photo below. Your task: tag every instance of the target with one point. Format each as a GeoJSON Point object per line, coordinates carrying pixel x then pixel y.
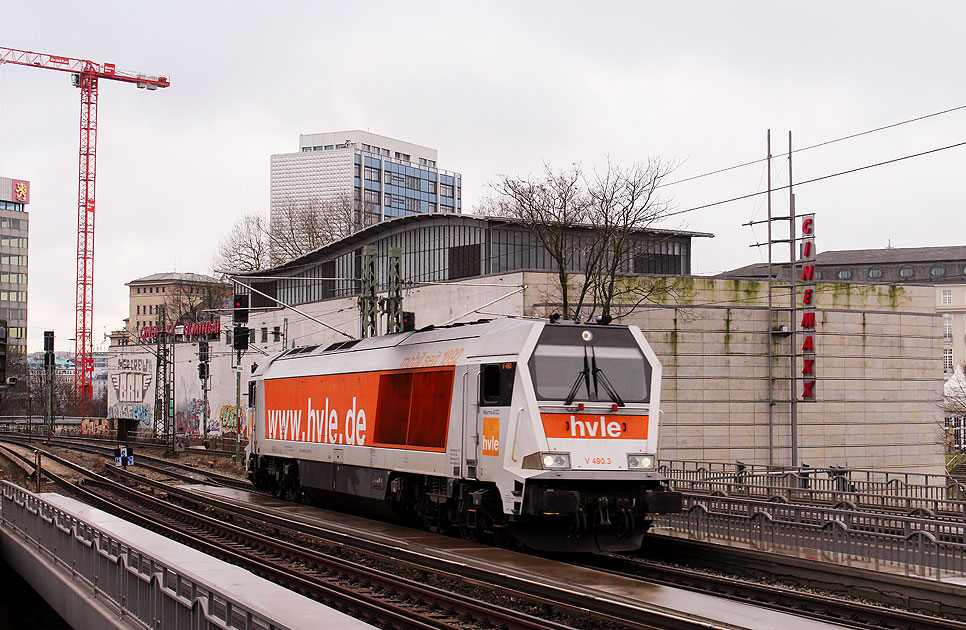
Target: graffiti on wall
{"type": "Point", "coordinates": [144, 414]}
{"type": "Point", "coordinates": [131, 383]}
{"type": "Point", "coordinates": [189, 421]}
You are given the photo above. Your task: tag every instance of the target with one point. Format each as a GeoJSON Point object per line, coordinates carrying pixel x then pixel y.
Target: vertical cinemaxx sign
{"type": "Point", "coordinates": [808, 307]}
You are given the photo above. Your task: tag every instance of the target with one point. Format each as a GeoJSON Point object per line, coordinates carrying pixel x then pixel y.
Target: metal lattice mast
{"type": "Point", "coordinates": [84, 354]}
{"type": "Point", "coordinates": [394, 318]}
{"type": "Point", "coordinates": [161, 378]}
{"type": "Point", "coordinates": [86, 74]}
{"type": "Point", "coordinates": [368, 302]}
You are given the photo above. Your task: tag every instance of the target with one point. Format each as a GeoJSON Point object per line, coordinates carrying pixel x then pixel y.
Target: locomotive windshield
{"type": "Point", "coordinates": [589, 363]}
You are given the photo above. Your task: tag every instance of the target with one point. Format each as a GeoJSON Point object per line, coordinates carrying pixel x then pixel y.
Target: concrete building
{"type": "Point", "coordinates": [187, 297]}
{"type": "Point", "coordinates": [878, 382]}
{"type": "Point", "coordinates": [380, 177]}
{"type": "Point", "coordinates": [941, 268]}
{"type": "Point", "coordinates": [14, 223]}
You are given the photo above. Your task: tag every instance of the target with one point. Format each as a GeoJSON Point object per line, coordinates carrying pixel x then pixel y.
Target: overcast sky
{"type": "Point", "coordinates": [497, 88]}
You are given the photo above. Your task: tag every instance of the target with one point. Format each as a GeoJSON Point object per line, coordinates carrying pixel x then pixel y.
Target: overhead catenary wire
{"type": "Point", "coordinates": [817, 179]}
{"type": "Point", "coordinates": [817, 145]}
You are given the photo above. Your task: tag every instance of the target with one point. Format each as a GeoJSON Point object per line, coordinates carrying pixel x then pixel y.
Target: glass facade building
{"type": "Point", "coordinates": [14, 223]}
{"type": "Point", "coordinates": [445, 247]}
{"type": "Point", "coordinates": [385, 178]}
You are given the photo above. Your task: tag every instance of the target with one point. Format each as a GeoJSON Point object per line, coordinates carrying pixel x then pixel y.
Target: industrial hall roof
{"type": "Point", "coordinates": [370, 233]}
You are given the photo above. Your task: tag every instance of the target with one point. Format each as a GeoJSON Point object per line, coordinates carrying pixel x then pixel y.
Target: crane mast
{"type": "Point", "coordinates": [86, 75]}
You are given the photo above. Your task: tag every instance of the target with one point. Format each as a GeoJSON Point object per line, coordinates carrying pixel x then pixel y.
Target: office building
{"type": "Point", "coordinates": [14, 198]}
{"type": "Point", "coordinates": [375, 177]}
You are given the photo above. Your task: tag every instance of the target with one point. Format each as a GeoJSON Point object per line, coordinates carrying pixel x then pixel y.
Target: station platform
{"type": "Point", "coordinates": [633, 593]}
{"type": "Point", "coordinates": [101, 572]}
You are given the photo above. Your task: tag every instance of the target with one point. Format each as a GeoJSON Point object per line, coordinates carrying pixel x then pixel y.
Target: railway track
{"type": "Point", "coordinates": [315, 566]}
{"type": "Point", "coordinates": [351, 586]}
{"type": "Point", "coordinates": [857, 614]}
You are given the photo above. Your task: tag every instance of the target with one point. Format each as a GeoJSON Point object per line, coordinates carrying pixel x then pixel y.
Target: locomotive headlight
{"type": "Point", "coordinates": [640, 461]}
{"type": "Point", "coordinates": [547, 461]}
{"type": "Point", "coordinates": [556, 461]}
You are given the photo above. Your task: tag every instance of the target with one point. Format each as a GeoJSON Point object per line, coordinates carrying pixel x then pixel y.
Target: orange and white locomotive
{"type": "Point", "coordinates": [511, 429]}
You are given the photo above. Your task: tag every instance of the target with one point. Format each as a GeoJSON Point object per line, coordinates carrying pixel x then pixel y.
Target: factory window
{"type": "Point", "coordinates": [845, 274]}
{"type": "Point", "coordinates": [946, 297]}
{"type": "Point", "coordinates": [947, 327]}
{"type": "Point", "coordinates": [948, 360]}
{"type": "Point", "coordinates": [464, 261]}
{"type": "Point", "coordinates": [875, 274]}
{"type": "Point", "coordinates": [937, 272]}
{"type": "Point", "coordinates": [906, 273]}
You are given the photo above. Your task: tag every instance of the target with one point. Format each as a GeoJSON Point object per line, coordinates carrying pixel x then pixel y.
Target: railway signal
{"type": "Point", "coordinates": [239, 314]}
{"type": "Point", "coordinates": [85, 75]}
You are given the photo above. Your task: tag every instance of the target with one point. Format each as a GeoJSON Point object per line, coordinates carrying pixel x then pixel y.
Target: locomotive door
{"type": "Point", "coordinates": [471, 435]}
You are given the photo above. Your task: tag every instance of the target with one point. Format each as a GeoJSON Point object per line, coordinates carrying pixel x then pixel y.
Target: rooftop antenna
{"type": "Point", "coordinates": [889, 245]}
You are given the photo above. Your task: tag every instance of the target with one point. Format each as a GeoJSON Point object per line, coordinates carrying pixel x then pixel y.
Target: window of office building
{"type": "Point", "coordinates": [446, 190]}
{"type": "Point", "coordinates": [412, 182]}
{"type": "Point", "coordinates": [947, 327]}
{"type": "Point", "coordinates": [946, 297]}
{"type": "Point", "coordinates": [372, 197]}
{"type": "Point", "coordinates": [412, 204]}
{"type": "Point", "coordinates": [264, 335]}
{"type": "Point", "coordinates": [372, 174]}
{"type": "Point", "coordinates": [432, 187]}
{"type": "Point", "coordinates": [948, 360]}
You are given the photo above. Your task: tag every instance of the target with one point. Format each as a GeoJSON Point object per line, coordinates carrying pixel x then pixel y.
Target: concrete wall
{"type": "Point", "coordinates": [878, 349]}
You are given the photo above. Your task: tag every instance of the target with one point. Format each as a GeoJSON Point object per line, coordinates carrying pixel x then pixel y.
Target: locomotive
{"type": "Point", "coordinates": [511, 430]}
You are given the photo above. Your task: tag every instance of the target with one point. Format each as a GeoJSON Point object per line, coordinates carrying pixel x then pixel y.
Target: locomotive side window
{"type": "Point", "coordinates": [496, 383]}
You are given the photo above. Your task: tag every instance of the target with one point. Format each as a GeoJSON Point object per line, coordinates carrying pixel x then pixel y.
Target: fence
{"type": "Point", "coordinates": [145, 589]}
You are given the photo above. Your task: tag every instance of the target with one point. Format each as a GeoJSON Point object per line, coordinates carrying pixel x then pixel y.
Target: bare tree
{"type": "Point", "coordinates": [197, 301]}
{"type": "Point", "coordinates": [953, 405]}
{"type": "Point", "coordinates": [595, 229]}
{"type": "Point", "coordinates": [300, 227]}
{"type": "Point", "coordinates": [246, 247]}
{"type": "Point", "coordinates": [293, 230]}
{"type": "Point", "coordinates": [624, 205]}
{"type": "Point", "coordinates": [550, 207]}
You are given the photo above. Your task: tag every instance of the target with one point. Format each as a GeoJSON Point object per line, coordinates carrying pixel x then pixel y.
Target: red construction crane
{"type": "Point", "coordinates": [86, 74]}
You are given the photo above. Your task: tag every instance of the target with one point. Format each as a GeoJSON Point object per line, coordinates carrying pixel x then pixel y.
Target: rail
{"type": "Point", "coordinates": [145, 589]}
{"type": "Point", "coordinates": [919, 546]}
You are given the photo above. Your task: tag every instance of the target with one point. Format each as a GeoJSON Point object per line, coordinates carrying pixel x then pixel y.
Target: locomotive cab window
{"type": "Point", "coordinates": [593, 363]}
{"type": "Point", "coordinates": [496, 383]}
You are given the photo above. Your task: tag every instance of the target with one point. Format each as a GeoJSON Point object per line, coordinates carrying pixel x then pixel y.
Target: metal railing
{"type": "Point", "coordinates": [826, 484]}
{"type": "Point", "coordinates": [913, 545]}
{"type": "Point", "coordinates": [144, 589]}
